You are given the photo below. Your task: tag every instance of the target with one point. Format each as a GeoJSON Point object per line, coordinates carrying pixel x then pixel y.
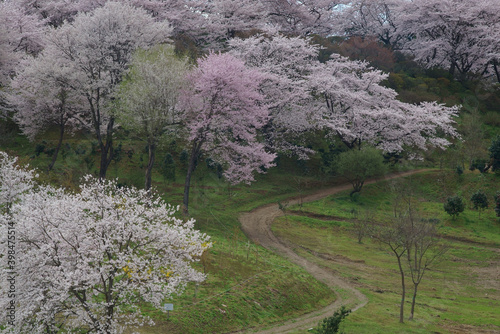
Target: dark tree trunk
{"type": "Point", "coordinates": [413, 301]}
{"type": "Point", "coordinates": [403, 293]}
{"type": "Point", "coordinates": [149, 168]}
{"type": "Point", "coordinates": [58, 147]}
{"type": "Point", "coordinates": [495, 68]}
{"type": "Point", "coordinates": [195, 151]}
{"type": "Point", "coordinates": [357, 185]}
{"type": "Point", "coordinates": [452, 69]}
{"type": "Point", "coordinates": [106, 149]}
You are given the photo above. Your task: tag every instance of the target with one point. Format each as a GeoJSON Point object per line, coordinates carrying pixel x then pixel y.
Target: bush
{"type": "Point", "coordinates": [479, 200]}
{"type": "Point", "coordinates": [480, 164]}
{"type": "Point", "coordinates": [359, 165]}
{"type": "Point", "coordinates": [454, 206]}
{"type": "Point", "coordinates": [183, 158]}
{"type": "Point", "coordinates": [167, 168]}
{"type": "Point", "coordinates": [331, 324]}
{"type": "Point", "coordinates": [495, 154]}
{"type": "Point", "coordinates": [39, 148]}
{"type": "Point", "coordinates": [459, 170]}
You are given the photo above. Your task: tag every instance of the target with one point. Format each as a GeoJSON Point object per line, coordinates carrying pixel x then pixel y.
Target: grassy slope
{"type": "Point", "coordinates": [247, 286]}
{"type": "Point", "coordinates": [461, 294]}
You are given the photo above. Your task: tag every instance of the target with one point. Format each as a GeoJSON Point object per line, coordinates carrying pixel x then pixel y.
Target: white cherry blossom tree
{"type": "Point", "coordinates": [96, 48]}
{"type": "Point", "coordinates": [88, 261]}
{"type": "Point", "coordinates": [357, 108]}
{"type": "Point", "coordinates": [287, 63]}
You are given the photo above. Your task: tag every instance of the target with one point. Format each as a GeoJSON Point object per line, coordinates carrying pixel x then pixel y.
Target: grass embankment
{"type": "Point", "coordinates": [461, 294]}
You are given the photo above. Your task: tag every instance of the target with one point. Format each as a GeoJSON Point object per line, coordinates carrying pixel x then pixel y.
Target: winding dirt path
{"type": "Point", "coordinates": [257, 226]}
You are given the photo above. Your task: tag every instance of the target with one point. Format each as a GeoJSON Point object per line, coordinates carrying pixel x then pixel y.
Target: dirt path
{"type": "Point", "coordinates": [257, 226]}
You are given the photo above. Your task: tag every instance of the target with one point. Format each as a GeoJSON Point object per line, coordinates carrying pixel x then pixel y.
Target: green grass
{"type": "Point", "coordinates": [247, 285]}
{"type": "Point", "coordinates": [460, 294]}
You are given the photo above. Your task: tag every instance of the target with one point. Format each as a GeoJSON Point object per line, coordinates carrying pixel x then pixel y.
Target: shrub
{"type": "Point", "coordinates": [495, 153]}
{"type": "Point", "coordinates": [479, 200]}
{"type": "Point", "coordinates": [359, 165]}
{"type": "Point", "coordinates": [480, 165]}
{"type": "Point", "coordinates": [167, 167]}
{"type": "Point", "coordinates": [331, 324]}
{"type": "Point", "coordinates": [183, 158]}
{"type": "Point", "coordinates": [454, 206]}
{"type": "Point", "coordinates": [39, 148]}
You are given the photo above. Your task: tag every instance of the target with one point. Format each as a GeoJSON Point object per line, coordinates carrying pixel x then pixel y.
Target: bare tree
{"type": "Point", "coordinates": [423, 248]}
{"type": "Point", "coordinates": [363, 225]}
{"type": "Point", "coordinates": [392, 235]}
{"type": "Point", "coordinates": [413, 240]}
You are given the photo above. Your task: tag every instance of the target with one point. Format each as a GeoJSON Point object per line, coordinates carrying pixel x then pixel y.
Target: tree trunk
{"type": "Point", "coordinates": [58, 147]}
{"type": "Point", "coordinates": [403, 293]}
{"type": "Point", "coordinates": [191, 167]}
{"type": "Point", "coordinates": [495, 68]}
{"type": "Point", "coordinates": [106, 150]}
{"type": "Point", "coordinates": [357, 185]}
{"type": "Point", "coordinates": [413, 301]}
{"type": "Point", "coordinates": [149, 168]}
{"type": "Point", "coordinates": [452, 69]}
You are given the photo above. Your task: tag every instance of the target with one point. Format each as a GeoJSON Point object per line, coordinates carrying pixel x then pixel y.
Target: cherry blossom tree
{"type": "Point", "coordinates": [20, 34]}
{"type": "Point", "coordinates": [97, 48]}
{"type": "Point", "coordinates": [87, 260]}
{"type": "Point", "coordinates": [227, 17]}
{"type": "Point", "coordinates": [148, 98]}
{"type": "Point", "coordinates": [287, 63]}
{"type": "Point", "coordinates": [451, 34]}
{"type": "Point", "coordinates": [373, 18]}
{"type": "Point", "coordinates": [42, 99]}
{"type": "Point", "coordinates": [357, 108]}
{"type": "Point", "coordinates": [223, 112]}
{"type": "Point", "coordinates": [304, 17]}
{"type": "Point", "coordinates": [346, 98]}
{"type": "Point", "coordinates": [14, 181]}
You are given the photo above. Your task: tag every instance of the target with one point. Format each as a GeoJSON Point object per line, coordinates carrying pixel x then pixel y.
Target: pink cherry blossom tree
{"type": "Point", "coordinates": [223, 112]}
{"type": "Point", "coordinates": [96, 48]}
{"type": "Point", "coordinates": [86, 261]}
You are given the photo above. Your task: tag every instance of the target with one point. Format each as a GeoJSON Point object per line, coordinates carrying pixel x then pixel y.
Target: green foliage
{"type": "Point", "coordinates": [479, 200]}
{"type": "Point", "coordinates": [459, 170]}
{"type": "Point", "coordinates": [183, 158]}
{"type": "Point", "coordinates": [167, 168]}
{"type": "Point", "coordinates": [480, 164]}
{"type": "Point", "coordinates": [117, 153]}
{"type": "Point", "coordinates": [331, 324]}
{"type": "Point", "coordinates": [454, 206]}
{"type": "Point", "coordinates": [495, 153]}
{"type": "Point", "coordinates": [39, 148]}
{"type": "Point", "coordinates": [358, 165]}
